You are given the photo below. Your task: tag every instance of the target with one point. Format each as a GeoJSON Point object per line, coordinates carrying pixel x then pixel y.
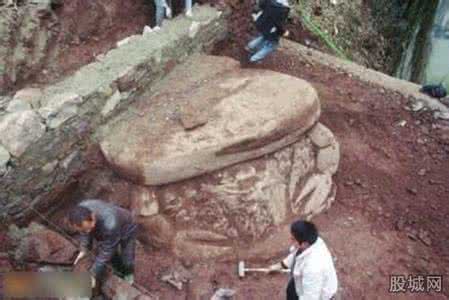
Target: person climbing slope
{"type": "Point", "coordinates": [164, 9]}
{"type": "Point", "coordinates": [270, 23]}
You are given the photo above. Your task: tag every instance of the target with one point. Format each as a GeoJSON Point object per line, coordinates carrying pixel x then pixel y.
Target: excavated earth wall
{"type": "Point", "coordinates": [46, 133]}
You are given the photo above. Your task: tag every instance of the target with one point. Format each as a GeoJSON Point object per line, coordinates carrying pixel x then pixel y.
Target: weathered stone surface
{"type": "Point", "coordinates": [205, 236]}
{"type": "Point", "coordinates": [24, 41]}
{"type": "Point", "coordinates": [242, 203]}
{"type": "Point", "coordinates": [321, 136]}
{"type": "Point", "coordinates": [116, 288]}
{"type": "Point", "coordinates": [239, 201]}
{"type": "Point", "coordinates": [4, 159]}
{"type": "Point", "coordinates": [177, 277]}
{"type": "Point", "coordinates": [60, 108]}
{"type": "Point", "coordinates": [303, 164]}
{"type": "Point", "coordinates": [18, 105]}
{"type": "Point", "coordinates": [144, 202]}
{"type": "Point", "coordinates": [210, 209]}
{"type": "Point", "coordinates": [156, 231]}
{"type": "Point", "coordinates": [112, 102]}
{"type": "Point", "coordinates": [20, 130]}
{"type": "Point", "coordinates": [32, 96]}
{"type": "Point", "coordinates": [4, 102]}
{"type": "Point", "coordinates": [245, 202]}
{"type": "Point", "coordinates": [66, 163]}
{"type": "Point", "coordinates": [50, 167]}
{"type": "Point", "coordinates": [329, 158]}
{"type": "Point", "coordinates": [223, 294]}
{"type": "Point", "coordinates": [41, 245]}
{"type": "Point", "coordinates": [318, 188]}
{"type": "Point", "coordinates": [192, 117]}
{"type": "Point", "coordinates": [251, 113]}
{"type": "Point", "coordinates": [144, 60]}
{"type": "Point", "coordinates": [193, 29]}
{"type": "Point", "coordinates": [184, 247]}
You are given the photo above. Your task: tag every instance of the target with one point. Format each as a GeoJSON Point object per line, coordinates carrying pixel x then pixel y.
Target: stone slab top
{"type": "Point", "coordinates": [193, 127]}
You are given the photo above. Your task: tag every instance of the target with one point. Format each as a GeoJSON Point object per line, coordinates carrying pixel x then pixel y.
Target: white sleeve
{"type": "Point", "coordinates": [312, 283]}
{"type": "Point", "coordinates": [288, 261]}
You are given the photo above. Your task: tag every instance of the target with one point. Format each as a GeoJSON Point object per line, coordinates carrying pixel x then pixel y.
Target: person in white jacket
{"type": "Point", "coordinates": [313, 275]}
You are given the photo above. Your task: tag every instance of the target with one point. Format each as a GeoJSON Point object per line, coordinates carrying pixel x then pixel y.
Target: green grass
{"type": "Point", "coordinates": [316, 30]}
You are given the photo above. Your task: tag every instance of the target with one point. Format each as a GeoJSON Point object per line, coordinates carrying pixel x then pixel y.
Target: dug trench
{"type": "Point", "coordinates": [390, 213]}
{"type": "Point", "coordinates": [390, 209]}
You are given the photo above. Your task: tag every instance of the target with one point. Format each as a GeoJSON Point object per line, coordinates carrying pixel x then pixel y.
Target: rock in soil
{"type": "Point", "coordinates": [41, 245]}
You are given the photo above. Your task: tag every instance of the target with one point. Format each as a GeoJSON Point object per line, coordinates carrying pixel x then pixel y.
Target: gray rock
{"type": "Point", "coordinates": [193, 29]}
{"type": "Point", "coordinates": [119, 289]}
{"type": "Point", "coordinates": [18, 105]}
{"type": "Point", "coordinates": [223, 294]}
{"type": "Point", "coordinates": [4, 159]}
{"type": "Point", "coordinates": [127, 40]}
{"type": "Point", "coordinates": [144, 202]}
{"type": "Point", "coordinates": [173, 280]}
{"type": "Point", "coordinates": [60, 108]}
{"type": "Point", "coordinates": [41, 245]}
{"type": "Point", "coordinates": [321, 136]}
{"type": "Point", "coordinates": [69, 159]}
{"type": "Point", "coordinates": [50, 167]}
{"type": "Point", "coordinates": [206, 236]}
{"type": "Point", "coordinates": [422, 172]}
{"type": "Point", "coordinates": [4, 101]}
{"type": "Point", "coordinates": [328, 158]}
{"type": "Point", "coordinates": [20, 130]}
{"type": "Point", "coordinates": [318, 189]}
{"type": "Point", "coordinates": [111, 104]}
{"type": "Point", "coordinates": [303, 163]}
{"type": "Point", "coordinates": [177, 277]}
{"type": "Point", "coordinates": [197, 250]}
{"type": "Point", "coordinates": [30, 96]}
{"type": "Point", "coordinates": [156, 231]}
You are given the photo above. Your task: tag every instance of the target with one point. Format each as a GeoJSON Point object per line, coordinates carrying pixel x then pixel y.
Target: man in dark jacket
{"type": "Point", "coordinates": [114, 230]}
{"type": "Point", "coordinates": [270, 24]}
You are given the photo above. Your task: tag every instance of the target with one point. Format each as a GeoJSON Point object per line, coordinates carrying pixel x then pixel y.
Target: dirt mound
{"type": "Point", "coordinates": [42, 42]}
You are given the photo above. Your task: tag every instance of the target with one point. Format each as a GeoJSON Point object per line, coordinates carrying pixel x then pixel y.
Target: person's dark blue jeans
{"type": "Point", "coordinates": [261, 47]}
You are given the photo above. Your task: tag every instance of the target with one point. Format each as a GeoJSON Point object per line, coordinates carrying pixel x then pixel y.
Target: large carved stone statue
{"type": "Point", "coordinates": [222, 155]}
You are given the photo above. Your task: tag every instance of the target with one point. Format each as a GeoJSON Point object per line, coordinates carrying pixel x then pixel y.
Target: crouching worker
{"type": "Point", "coordinates": [115, 233]}
{"type": "Point", "coordinates": [313, 275]}
{"type": "Point", "coordinates": [270, 25]}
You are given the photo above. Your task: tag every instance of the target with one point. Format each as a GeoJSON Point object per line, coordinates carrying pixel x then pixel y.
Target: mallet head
{"type": "Point", "coordinates": [241, 269]}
